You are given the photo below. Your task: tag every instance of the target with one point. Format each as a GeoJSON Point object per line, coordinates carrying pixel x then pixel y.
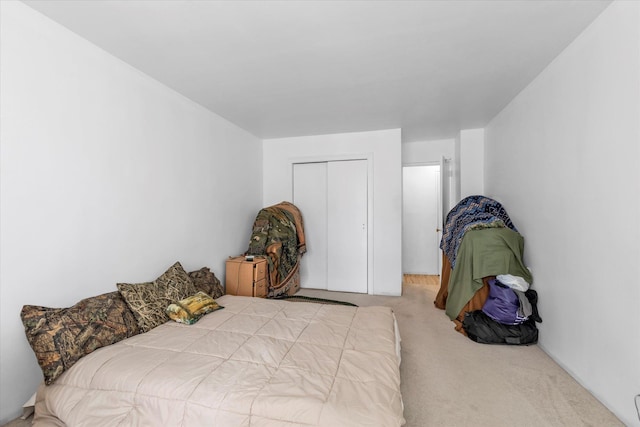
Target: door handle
{"type": "Point", "coordinates": [438, 230]}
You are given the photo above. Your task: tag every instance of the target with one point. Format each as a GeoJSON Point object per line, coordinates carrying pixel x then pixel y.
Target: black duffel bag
{"type": "Point", "coordinates": [483, 329]}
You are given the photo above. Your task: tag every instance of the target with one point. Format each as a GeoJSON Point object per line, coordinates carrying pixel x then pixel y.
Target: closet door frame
{"type": "Point", "coordinates": [370, 185]}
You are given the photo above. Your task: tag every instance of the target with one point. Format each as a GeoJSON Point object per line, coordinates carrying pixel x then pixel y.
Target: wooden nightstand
{"type": "Point", "coordinates": [246, 277]}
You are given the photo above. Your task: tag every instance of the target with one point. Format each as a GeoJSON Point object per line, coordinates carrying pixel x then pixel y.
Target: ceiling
{"type": "Point", "coordinates": [294, 68]}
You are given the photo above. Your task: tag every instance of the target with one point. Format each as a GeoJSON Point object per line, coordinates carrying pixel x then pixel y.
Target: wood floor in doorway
{"type": "Point", "coordinates": [421, 279]}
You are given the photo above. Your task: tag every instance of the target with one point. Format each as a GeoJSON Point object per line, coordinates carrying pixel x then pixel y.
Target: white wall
{"type": "Point", "coordinates": [456, 172]}
{"type": "Point", "coordinates": [106, 176]}
{"type": "Point", "coordinates": [563, 157]}
{"type": "Point", "coordinates": [424, 152]}
{"type": "Point", "coordinates": [384, 147]}
{"type": "Point", "coordinates": [471, 162]}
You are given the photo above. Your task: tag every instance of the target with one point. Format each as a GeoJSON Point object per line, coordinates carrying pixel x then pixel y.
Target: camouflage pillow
{"type": "Point", "coordinates": [149, 300]}
{"type": "Point", "coordinates": [61, 336]}
{"type": "Point", "coordinates": [191, 309]}
{"type": "Point", "coordinates": [205, 281]}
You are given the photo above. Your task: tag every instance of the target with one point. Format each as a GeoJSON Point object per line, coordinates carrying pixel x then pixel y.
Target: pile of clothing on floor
{"type": "Point", "coordinates": [508, 316]}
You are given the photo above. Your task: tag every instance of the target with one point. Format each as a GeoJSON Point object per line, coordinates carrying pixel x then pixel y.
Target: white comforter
{"type": "Point", "coordinates": [257, 362]}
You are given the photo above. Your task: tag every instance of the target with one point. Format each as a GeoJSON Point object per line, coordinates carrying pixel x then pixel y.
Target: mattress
{"type": "Point", "coordinates": [257, 362]}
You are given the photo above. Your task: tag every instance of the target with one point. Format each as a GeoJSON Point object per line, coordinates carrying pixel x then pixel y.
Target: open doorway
{"type": "Point", "coordinates": [421, 204]}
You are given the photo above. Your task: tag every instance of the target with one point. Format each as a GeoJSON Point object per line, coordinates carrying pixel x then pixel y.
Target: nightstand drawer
{"type": "Point", "coordinates": [260, 288]}
{"type": "Point", "coordinates": [260, 270]}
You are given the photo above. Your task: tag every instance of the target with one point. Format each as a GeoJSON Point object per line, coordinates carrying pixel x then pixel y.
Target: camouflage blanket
{"type": "Point", "coordinates": [278, 235]}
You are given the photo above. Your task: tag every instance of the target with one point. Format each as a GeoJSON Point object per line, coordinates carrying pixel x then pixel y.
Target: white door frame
{"type": "Point", "coordinates": [439, 199]}
{"type": "Point", "coordinates": [370, 224]}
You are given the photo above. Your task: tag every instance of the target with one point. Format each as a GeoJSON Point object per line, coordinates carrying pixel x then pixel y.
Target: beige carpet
{"type": "Point", "coordinates": [449, 380]}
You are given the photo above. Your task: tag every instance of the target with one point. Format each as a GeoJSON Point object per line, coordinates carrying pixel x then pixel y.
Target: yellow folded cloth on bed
{"type": "Point", "coordinates": [191, 309]}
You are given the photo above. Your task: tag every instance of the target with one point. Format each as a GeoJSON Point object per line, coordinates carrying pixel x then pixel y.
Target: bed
{"type": "Point", "coordinates": [479, 242]}
{"type": "Point", "coordinates": [256, 362]}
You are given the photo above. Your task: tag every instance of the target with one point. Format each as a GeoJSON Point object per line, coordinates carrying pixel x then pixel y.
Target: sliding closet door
{"type": "Point", "coordinates": [347, 225]}
{"type": "Point", "coordinates": [310, 196]}
{"type": "Point", "coordinates": [333, 200]}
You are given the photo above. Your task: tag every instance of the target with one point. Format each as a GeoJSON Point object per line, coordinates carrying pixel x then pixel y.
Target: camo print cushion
{"type": "Point", "coordinates": [61, 336]}
{"type": "Point", "coordinates": [205, 281]}
{"type": "Point", "coordinates": [149, 300]}
{"type": "Point", "coordinates": [191, 309]}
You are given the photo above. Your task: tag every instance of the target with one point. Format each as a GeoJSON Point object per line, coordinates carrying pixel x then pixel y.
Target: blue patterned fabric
{"type": "Point", "coordinates": [469, 212]}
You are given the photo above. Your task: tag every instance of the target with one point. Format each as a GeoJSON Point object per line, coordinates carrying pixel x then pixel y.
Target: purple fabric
{"type": "Point", "coordinates": [502, 304]}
